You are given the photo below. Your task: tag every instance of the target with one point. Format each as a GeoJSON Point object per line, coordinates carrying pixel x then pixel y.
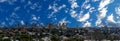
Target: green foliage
{"type": "Point", "coordinates": [1, 37]}
{"type": "Point", "coordinates": [6, 40]}
{"type": "Point", "coordinates": [75, 39]}
{"type": "Point", "coordinates": [25, 37]}
{"type": "Point", "coordinates": [55, 38]}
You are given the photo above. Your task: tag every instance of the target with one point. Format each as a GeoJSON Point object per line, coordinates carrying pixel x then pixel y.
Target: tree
{"type": "Point", "coordinates": [25, 37]}
{"type": "Point", "coordinates": [55, 38]}
{"type": "Point", "coordinates": [1, 37]}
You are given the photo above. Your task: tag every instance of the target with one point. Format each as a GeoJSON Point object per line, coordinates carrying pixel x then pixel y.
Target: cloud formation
{"type": "Point", "coordinates": [84, 17]}
{"type": "Point", "coordinates": [102, 8]}
{"type": "Point", "coordinates": [87, 24]}
{"type": "Point", "coordinates": [111, 18]}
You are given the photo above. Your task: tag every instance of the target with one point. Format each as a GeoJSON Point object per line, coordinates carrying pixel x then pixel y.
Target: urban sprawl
{"type": "Point", "coordinates": [60, 32]}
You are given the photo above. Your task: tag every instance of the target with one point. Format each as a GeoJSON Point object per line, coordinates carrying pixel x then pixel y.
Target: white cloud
{"type": "Point", "coordinates": [87, 6]}
{"type": "Point", "coordinates": [87, 1]}
{"type": "Point", "coordinates": [74, 5]}
{"type": "Point", "coordinates": [91, 9]}
{"type": "Point", "coordinates": [79, 16]}
{"type": "Point", "coordinates": [95, 0]}
{"type": "Point", "coordinates": [87, 24]}
{"type": "Point", "coordinates": [117, 17]}
{"type": "Point", "coordinates": [63, 21]}
{"type": "Point", "coordinates": [55, 9]}
{"type": "Point", "coordinates": [67, 10]}
{"type": "Point", "coordinates": [73, 13]}
{"type": "Point", "coordinates": [63, 6]}
{"type": "Point", "coordinates": [98, 22]}
{"type": "Point", "coordinates": [3, 0]}
{"type": "Point", "coordinates": [17, 8]}
{"type": "Point", "coordinates": [50, 7]}
{"type": "Point", "coordinates": [84, 18]}
{"type": "Point", "coordinates": [35, 18]}
{"type": "Point", "coordinates": [29, 2]}
{"type": "Point", "coordinates": [103, 10]}
{"type": "Point", "coordinates": [34, 6]}
{"type": "Point", "coordinates": [22, 22]}
{"type": "Point", "coordinates": [101, 16]}
{"type": "Point", "coordinates": [2, 24]}
{"type": "Point", "coordinates": [11, 2]}
{"type": "Point", "coordinates": [111, 19]}
{"type": "Point", "coordinates": [104, 3]}
{"type": "Point", "coordinates": [14, 15]}
{"type": "Point", "coordinates": [72, 0]}
{"type": "Point", "coordinates": [103, 13]}
{"type": "Point", "coordinates": [117, 9]}
{"type": "Point", "coordinates": [11, 22]}
{"type": "Point", "coordinates": [55, 18]}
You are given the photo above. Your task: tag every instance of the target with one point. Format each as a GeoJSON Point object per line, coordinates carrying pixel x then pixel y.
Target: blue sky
{"type": "Point", "coordinates": [84, 13]}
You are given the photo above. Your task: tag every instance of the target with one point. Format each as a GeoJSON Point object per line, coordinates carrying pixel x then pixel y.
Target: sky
{"type": "Point", "coordinates": [82, 13]}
